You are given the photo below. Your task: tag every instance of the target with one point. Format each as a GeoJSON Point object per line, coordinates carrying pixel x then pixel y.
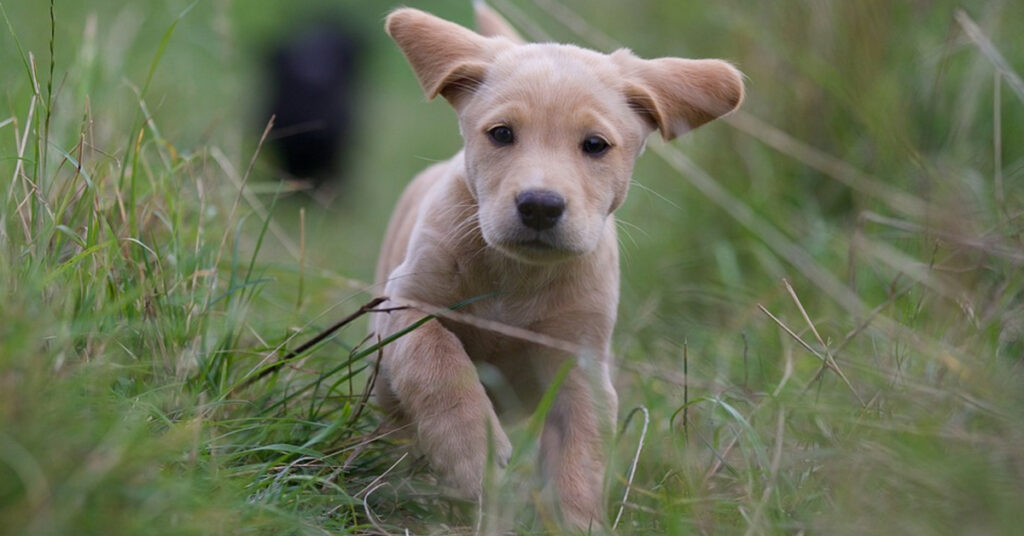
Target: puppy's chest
{"type": "Point", "coordinates": [485, 341]}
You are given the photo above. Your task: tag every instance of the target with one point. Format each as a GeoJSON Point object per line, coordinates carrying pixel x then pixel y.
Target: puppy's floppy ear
{"type": "Point", "coordinates": [678, 95]}
{"type": "Point", "coordinates": [448, 60]}
{"type": "Point", "coordinates": [491, 24]}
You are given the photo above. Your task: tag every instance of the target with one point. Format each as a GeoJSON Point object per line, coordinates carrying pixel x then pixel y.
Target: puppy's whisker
{"type": "Point", "coordinates": [428, 159]}
{"type": "Point", "coordinates": [654, 192]}
{"type": "Point", "coordinates": [462, 231]}
{"type": "Point", "coordinates": [624, 231]}
{"type": "Point", "coordinates": [624, 225]}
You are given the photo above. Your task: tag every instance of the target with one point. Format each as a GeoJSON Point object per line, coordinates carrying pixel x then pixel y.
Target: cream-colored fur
{"type": "Point", "coordinates": [460, 231]}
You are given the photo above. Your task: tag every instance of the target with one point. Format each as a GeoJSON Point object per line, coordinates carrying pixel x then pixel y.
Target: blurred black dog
{"type": "Point", "coordinates": [313, 78]}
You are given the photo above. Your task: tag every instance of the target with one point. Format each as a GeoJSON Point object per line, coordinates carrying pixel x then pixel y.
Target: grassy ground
{"type": "Point", "coordinates": [823, 298]}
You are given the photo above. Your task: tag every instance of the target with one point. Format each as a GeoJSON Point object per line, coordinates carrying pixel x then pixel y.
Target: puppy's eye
{"type": "Point", "coordinates": [595, 146]}
{"type": "Point", "coordinates": [501, 135]}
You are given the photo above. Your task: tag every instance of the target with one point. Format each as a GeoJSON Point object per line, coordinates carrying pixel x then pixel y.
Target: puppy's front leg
{"type": "Point", "coordinates": [573, 444]}
{"type": "Point", "coordinates": [437, 388]}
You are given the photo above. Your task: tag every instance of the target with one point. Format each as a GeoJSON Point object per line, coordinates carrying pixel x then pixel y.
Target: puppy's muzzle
{"type": "Point", "coordinates": [540, 209]}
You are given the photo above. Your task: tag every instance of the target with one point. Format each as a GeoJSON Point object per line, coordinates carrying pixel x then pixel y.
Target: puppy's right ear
{"type": "Point", "coordinates": [448, 60]}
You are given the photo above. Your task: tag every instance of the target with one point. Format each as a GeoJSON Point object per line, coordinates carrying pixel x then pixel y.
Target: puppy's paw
{"type": "Point", "coordinates": [458, 447]}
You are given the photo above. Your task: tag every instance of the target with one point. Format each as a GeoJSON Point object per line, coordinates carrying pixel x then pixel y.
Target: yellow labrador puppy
{"type": "Point", "coordinates": [521, 219]}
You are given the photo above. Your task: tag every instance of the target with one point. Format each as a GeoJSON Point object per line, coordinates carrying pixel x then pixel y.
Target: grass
{"type": "Point", "coordinates": [823, 298]}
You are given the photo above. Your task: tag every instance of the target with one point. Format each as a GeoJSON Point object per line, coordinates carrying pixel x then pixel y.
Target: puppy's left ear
{"type": "Point", "coordinates": [677, 95]}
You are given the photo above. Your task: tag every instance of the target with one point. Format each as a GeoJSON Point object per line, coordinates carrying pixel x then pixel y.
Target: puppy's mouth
{"type": "Point", "coordinates": [538, 249]}
{"type": "Point", "coordinates": [535, 244]}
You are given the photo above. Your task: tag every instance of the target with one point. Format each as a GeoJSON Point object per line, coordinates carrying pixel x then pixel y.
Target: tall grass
{"type": "Point", "coordinates": [822, 324]}
{"type": "Point", "coordinates": [130, 278]}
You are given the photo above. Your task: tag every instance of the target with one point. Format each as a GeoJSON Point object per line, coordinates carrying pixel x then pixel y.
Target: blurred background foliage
{"type": "Point", "coordinates": [877, 165]}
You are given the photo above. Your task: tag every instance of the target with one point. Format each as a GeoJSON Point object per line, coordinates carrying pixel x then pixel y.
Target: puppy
{"type": "Point", "coordinates": [518, 229]}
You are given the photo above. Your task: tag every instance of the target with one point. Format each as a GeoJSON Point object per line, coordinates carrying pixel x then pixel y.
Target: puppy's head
{"type": "Point", "coordinates": [552, 131]}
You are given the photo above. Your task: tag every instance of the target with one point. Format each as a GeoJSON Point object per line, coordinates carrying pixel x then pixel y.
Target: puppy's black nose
{"type": "Point", "coordinates": [540, 209]}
